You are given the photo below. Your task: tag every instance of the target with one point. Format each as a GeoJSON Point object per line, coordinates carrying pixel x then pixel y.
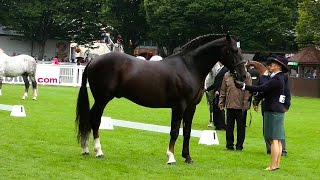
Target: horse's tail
{"type": "Point", "coordinates": [83, 111]}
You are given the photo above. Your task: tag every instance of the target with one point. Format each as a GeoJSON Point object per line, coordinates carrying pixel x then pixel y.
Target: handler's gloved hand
{"type": "Point", "coordinates": [238, 84]}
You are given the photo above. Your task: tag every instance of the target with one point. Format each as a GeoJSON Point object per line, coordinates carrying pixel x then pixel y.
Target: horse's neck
{"type": "Point", "coordinates": [199, 67]}
{"type": "Point", "coordinates": [204, 61]}
{"type": "Point", "coordinates": [208, 55]}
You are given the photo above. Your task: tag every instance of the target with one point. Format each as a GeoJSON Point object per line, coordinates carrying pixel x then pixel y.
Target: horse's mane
{"type": "Point", "coordinates": [201, 40]}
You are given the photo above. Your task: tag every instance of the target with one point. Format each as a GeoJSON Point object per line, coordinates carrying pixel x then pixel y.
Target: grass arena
{"type": "Point", "coordinates": [43, 144]}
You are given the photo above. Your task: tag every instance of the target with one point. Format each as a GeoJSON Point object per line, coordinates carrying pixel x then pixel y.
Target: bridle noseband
{"type": "Point", "coordinates": [233, 71]}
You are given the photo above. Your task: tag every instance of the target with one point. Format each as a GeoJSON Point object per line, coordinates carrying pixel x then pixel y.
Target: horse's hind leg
{"type": "Point", "coordinates": [34, 86]}
{"type": "Point", "coordinates": [85, 145]}
{"type": "Point", "coordinates": [95, 116]}
{"type": "Point", "coordinates": [26, 85]}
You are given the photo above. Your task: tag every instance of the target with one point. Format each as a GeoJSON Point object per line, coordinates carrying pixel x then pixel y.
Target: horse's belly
{"type": "Point", "coordinates": [146, 96]}
{"type": "Point", "coordinates": [13, 71]}
{"type": "Point", "coordinates": [155, 101]}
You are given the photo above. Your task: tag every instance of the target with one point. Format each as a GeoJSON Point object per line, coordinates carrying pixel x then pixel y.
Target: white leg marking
{"type": "Point", "coordinates": [85, 149]}
{"type": "Point", "coordinates": [35, 94]}
{"type": "Point", "coordinates": [0, 92]}
{"type": "Point", "coordinates": [171, 160]}
{"type": "Point", "coordinates": [25, 95]}
{"type": "Point", "coordinates": [97, 147]}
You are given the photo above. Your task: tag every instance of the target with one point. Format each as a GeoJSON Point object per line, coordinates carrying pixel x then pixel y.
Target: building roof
{"type": "Point", "coordinates": [309, 55]}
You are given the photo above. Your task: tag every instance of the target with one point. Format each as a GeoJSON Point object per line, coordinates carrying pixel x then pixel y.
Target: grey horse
{"type": "Point", "coordinates": [23, 65]}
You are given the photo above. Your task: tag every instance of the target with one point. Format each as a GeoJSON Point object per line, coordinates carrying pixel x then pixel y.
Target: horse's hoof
{"type": "Point", "coordinates": [101, 156]}
{"type": "Point", "coordinates": [172, 163]}
{"type": "Point", "coordinates": [34, 99]}
{"type": "Point", "coordinates": [85, 154]}
{"type": "Point", "coordinates": [189, 161]}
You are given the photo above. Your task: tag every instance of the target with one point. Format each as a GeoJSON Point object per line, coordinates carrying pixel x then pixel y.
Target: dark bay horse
{"type": "Point", "coordinates": [176, 82]}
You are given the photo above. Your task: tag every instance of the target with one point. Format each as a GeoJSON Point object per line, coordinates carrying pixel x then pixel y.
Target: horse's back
{"type": "Point", "coordinates": [151, 84]}
{"type": "Point", "coordinates": [125, 67]}
{"type": "Point", "coordinates": [17, 65]}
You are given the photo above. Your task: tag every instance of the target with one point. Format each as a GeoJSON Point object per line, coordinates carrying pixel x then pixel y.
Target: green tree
{"type": "Point", "coordinates": [261, 25]}
{"type": "Point", "coordinates": [126, 18]}
{"type": "Point", "coordinates": [173, 23]}
{"type": "Point", "coordinates": [167, 23]}
{"type": "Point", "coordinates": [308, 26]}
{"type": "Point", "coordinates": [40, 20]}
{"type": "Point", "coordinates": [81, 20]}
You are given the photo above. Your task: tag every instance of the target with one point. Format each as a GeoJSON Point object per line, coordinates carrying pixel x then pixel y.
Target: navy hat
{"type": "Point", "coordinates": [283, 61]}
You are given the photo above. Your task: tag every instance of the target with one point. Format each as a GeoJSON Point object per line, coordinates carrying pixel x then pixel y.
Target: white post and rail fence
{"type": "Point", "coordinates": [47, 74]}
{"type": "Point", "coordinates": [50, 74]}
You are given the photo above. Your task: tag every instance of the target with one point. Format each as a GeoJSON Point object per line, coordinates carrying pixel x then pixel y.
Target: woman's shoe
{"type": "Point", "coordinates": [270, 169]}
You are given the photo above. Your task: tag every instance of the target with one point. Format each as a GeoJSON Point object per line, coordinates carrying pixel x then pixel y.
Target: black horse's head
{"type": "Point", "coordinates": [232, 59]}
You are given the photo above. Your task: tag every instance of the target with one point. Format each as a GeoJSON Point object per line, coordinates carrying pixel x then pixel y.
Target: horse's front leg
{"type": "Point", "coordinates": [97, 145]}
{"type": "Point", "coordinates": [187, 123]}
{"type": "Point", "coordinates": [26, 85]}
{"type": "Point", "coordinates": [176, 117]}
{"type": "Point", "coordinates": [34, 86]}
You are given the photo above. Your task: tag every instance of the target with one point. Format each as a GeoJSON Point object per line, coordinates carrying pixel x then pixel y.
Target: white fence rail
{"type": "Point", "coordinates": [50, 74]}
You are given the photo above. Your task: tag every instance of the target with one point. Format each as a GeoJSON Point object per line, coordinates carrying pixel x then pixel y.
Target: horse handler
{"type": "Point", "coordinates": [274, 91]}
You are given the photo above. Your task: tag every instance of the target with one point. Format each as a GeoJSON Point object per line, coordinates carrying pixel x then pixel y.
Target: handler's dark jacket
{"type": "Point", "coordinates": [272, 88]}
{"type": "Point", "coordinates": [260, 96]}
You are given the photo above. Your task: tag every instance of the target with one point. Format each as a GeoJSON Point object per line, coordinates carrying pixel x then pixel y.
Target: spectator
{"type": "Point", "coordinates": [44, 58]}
{"type": "Point", "coordinates": [218, 115]}
{"type": "Point", "coordinates": [237, 104]}
{"type": "Point", "coordinates": [314, 74]}
{"type": "Point", "coordinates": [119, 40]}
{"type": "Point", "coordinates": [56, 60]}
{"type": "Point", "coordinates": [86, 60]}
{"type": "Point", "coordinates": [210, 94]}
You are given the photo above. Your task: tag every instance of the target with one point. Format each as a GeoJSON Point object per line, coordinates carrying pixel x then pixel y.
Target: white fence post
{"type": "Point", "coordinates": [75, 73]}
